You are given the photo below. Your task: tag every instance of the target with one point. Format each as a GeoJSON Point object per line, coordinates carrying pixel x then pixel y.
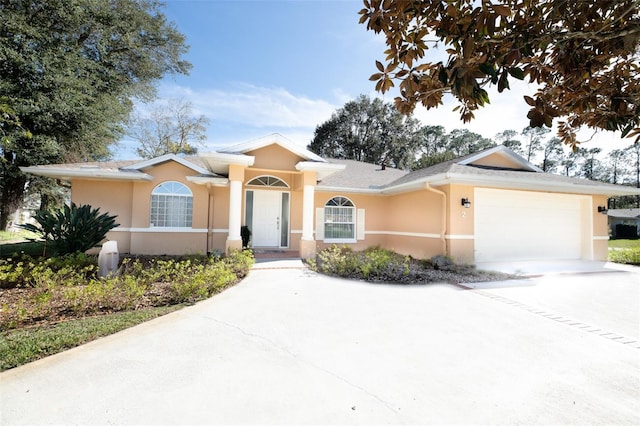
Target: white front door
{"type": "Point", "coordinates": [267, 206]}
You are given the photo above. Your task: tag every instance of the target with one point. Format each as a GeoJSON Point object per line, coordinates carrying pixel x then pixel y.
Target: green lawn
{"type": "Point", "coordinates": [624, 251]}
{"type": "Point", "coordinates": [18, 347]}
{"type": "Point", "coordinates": [12, 237]}
{"type": "Point", "coordinates": [624, 243]}
{"type": "Point", "coordinates": [17, 242]}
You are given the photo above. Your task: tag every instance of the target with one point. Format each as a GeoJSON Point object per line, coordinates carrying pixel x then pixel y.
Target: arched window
{"type": "Point", "coordinates": [271, 181]}
{"type": "Point", "coordinates": [171, 205]}
{"type": "Point", "coordinates": [339, 219]}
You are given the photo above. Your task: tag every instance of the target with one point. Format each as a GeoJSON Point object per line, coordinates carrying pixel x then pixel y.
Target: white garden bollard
{"type": "Point", "coordinates": [108, 259]}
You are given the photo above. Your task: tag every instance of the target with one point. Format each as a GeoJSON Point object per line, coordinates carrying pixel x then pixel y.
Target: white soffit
{"type": "Point", "coordinates": [504, 152]}
{"type": "Point", "coordinates": [86, 173]}
{"type": "Point", "coordinates": [526, 183]}
{"type": "Point", "coordinates": [532, 184]}
{"type": "Point", "coordinates": [163, 159]}
{"type": "Point", "coordinates": [277, 139]}
{"type": "Point", "coordinates": [203, 180]}
{"type": "Point", "coordinates": [219, 162]}
{"type": "Point", "coordinates": [322, 169]}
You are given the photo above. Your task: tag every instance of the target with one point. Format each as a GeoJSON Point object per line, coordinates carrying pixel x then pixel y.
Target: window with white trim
{"type": "Point", "coordinates": [268, 181]}
{"type": "Point", "coordinates": [339, 219]}
{"type": "Point", "coordinates": [171, 205]}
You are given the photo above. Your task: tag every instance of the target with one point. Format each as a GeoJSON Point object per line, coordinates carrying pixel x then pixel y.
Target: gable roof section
{"type": "Point", "coordinates": [499, 151]}
{"type": "Point", "coordinates": [352, 176]}
{"type": "Point", "coordinates": [359, 177]}
{"type": "Point", "coordinates": [131, 170]}
{"type": "Point", "coordinates": [274, 138]}
{"type": "Point", "coordinates": [190, 163]}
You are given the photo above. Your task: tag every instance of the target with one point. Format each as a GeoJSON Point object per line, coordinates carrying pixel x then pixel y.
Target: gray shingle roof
{"type": "Point", "coordinates": [359, 175]}
{"type": "Point", "coordinates": [116, 165]}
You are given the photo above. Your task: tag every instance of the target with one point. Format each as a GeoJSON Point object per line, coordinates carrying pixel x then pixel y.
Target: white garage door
{"type": "Point", "coordinates": [520, 225]}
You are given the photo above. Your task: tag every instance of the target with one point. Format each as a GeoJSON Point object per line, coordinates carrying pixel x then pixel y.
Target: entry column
{"type": "Point", "coordinates": [307, 242]}
{"type": "Point", "coordinates": [236, 178]}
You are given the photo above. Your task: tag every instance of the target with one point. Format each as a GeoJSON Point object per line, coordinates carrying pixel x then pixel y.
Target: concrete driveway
{"type": "Point", "coordinates": [287, 346]}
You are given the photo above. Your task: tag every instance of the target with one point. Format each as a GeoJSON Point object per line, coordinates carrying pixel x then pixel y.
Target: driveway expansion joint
{"type": "Point", "coordinates": [625, 340]}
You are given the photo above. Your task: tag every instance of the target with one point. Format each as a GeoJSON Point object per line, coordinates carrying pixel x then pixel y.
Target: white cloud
{"type": "Point", "coordinates": [507, 111]}
{"type": "Point", "coordinates": [255, 106]}
{"type": "Point", "coordinates": [245, 112]}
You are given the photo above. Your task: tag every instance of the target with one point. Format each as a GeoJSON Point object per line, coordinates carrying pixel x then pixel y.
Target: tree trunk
{"type": "Point", "coordinates": [11, 196]}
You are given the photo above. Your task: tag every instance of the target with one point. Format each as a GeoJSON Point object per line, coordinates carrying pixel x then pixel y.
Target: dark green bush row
{"type": "Point", "coordinates": [624, 232]}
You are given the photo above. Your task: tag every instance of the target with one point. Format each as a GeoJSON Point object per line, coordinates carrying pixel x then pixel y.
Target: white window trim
{"type": "Point", "coordinates": [170, 228]}
{"type": "Point", "coordinates": [340, 240]}
{"type": "Point", "coordinates": [250, 184]}
{"type": "Point", "coordinates": [356, 213]}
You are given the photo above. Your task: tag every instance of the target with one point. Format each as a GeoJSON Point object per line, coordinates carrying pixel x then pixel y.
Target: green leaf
{"type": "Point", "coordinates": [487, 69]}
{"type": "Point", "coordinates": [516, 73]}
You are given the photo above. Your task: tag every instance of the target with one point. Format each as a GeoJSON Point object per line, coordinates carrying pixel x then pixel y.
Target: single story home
{"type": "Point", "coordinates": [488, 206]}
{"type": "Point", "coordinates": [623, 217]}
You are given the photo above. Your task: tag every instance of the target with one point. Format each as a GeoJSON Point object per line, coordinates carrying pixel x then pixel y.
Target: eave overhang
{"type": "Point", "coordinates": [322, 169]}
{"type": "Point", "coordinates": [492, 182]}
{"type": "Point", "coordinates": [208, 180]}
{"type": "Point", "coordinates": [163, 159]}
{"type": "Point", "coordinates": [218, 162]}
{"type": "Point", "coordinates": [529, 183]}
{"type": "Point", "coordinates": [276, 139]}
{"type": "Point", "coordinates": [88, 173]}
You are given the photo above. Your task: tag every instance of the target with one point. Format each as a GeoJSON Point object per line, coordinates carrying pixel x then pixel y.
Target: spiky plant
{"type": "Point", "coordinates": [72, 229]}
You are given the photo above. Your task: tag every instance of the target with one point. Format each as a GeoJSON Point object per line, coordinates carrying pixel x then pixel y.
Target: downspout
{"type": "Point", "coordinates": [209, 221]}
{"type": "Point", "coordinates": [443, 225]}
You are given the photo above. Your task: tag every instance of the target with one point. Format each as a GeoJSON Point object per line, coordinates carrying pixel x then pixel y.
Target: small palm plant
{"type": "Point", "coordinates": [72, 229]}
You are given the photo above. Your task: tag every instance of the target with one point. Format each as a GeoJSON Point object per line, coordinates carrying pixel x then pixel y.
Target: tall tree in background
{"type": "Point", "coordinates": [581, 54]}
{"type": "Point", "coordinates": [70, 69]}
{"type": "Point", "coordinates": [464, 142]}
{"type": "Point", "coordinates": [433, 147]}
{"type": "Point", "coordinates": [570, 163]}
{"type": "Point", "coordinates": [509, 138]}
{"type": "Point", "coordinates": [617, 164]}
{"type": "Point", "coordinates": [368, 130]}
{"type": "Point", "coordinates": [551, 155]}
{"type": "Point", "coordinates": [591, 167]}
{"type": "Point", "coordinates": [634, 153]}
{"type": "Point", "coordinates": [168, 129]}
{"type": "Point", "coordinates": [617, 168]}
{"type": "Point", "coordinates": [533, 137]}
{"type": "Point", "coordinates": [434, 139]}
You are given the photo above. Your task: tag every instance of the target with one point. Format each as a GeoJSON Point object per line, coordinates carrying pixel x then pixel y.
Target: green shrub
{"type": "Point", "coordinates": [26, 271]}
{"type": "Point", "coordinates": [69, 284]}
{"type": "Point", "coordinates": [336, 260]}
{"type": "Point", "coordinates": [240, 262]}
{"type": "Point", "coordinates": [72, 229]}
{"type": "Point", "coordinates": [626, 231]}
{"type": "Point", "coordinates": [630, 256]}
{"type": "Point", "coordinates": [32, 248]}
{"type": "Point", "coordinates": [210, 277]}
{"type": "Point", "coordinates": [374, 264]}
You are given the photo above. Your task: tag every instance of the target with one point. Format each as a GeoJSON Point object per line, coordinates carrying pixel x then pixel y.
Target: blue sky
{"type": "Point", "coordinates": [265, 66]}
